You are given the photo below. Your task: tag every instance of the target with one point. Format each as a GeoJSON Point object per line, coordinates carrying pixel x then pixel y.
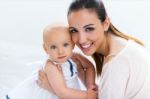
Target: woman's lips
{"type": "Point", "coordinates": [86, 47]}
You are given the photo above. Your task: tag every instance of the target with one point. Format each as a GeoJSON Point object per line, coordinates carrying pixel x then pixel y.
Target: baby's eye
{"type": "Point", "coordinates": [88, 29]}
{"type": "Point", "coordinates": [53, 47]}
{"type": "Point", "coordinates": [66, 44]}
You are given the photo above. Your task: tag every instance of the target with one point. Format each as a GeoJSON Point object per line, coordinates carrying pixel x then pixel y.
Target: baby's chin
{"type": "Point", "coordinates": [60, 61]}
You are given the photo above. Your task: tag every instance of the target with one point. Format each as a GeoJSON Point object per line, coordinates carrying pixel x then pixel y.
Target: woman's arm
{"type": "Point", "coordinates": [86, 70]}
{"type": "Point", "coordinates": [57, 83]}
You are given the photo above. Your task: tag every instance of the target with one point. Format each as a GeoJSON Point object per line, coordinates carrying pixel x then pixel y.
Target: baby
{"type": "Point", "coordinates": [58, 46]}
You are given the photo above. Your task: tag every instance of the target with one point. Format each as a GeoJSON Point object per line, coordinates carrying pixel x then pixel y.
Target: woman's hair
{"type": "Point", "coordinates": [98, 7]}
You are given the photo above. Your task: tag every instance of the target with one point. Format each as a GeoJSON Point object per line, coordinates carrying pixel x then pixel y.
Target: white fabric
{"type": "Point", "coordinates": [127, 75]}
{"type": "Point", "coordinates": [71, 81]}
{"type": "Point", "coordinates": [30, 90]}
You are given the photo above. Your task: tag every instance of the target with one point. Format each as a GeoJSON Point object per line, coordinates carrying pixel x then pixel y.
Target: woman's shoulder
{"type": "Point", "coordinates": [135, 48]}
{"type": "Point", "coordinates": [134, 53]}
{"type": "Point", "coordinates": [129, 53]}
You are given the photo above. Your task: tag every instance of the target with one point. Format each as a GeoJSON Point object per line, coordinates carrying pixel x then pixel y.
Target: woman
{"type": "Point", "coordinates": [121, 60]}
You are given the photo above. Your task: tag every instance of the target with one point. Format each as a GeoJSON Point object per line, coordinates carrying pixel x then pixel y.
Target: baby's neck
{"type": "Point", "coordinates": [55, 62]}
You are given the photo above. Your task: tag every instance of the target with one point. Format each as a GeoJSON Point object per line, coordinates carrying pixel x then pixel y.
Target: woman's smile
{"type": "Point", "coordinates": [86, 47]}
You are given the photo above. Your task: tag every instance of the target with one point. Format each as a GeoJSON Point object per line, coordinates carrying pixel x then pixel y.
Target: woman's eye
{"type": "Point", "coordinates": [73, 31]}
{"type": "Point", "coordinates": [53, 47]}
{"type": "Point", "coordinates": [88, 29]}
{"type": "Point", "coordinates": [66, 44]}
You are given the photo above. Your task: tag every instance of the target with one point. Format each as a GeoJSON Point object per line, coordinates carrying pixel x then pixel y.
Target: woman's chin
{"type": "Point", "coordinates": [88, 53]}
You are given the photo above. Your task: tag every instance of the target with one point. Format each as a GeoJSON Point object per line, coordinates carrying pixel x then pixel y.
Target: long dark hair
{"type": "Point", "coordinates": [98, 7]}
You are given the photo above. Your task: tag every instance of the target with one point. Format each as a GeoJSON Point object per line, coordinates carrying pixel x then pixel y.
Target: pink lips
{"type": "Point", "coordinates": [85, 49]}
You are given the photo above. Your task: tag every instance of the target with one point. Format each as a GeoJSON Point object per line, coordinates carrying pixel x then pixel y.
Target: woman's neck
{"type": "Point", "coordinates": [104, 48]}
{"type": "Point", "coordinates": [111, 45]}
{"type": "Point", "coordinates": [116, 45]}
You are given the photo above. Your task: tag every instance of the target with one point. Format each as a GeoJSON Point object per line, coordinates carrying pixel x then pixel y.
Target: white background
{"type": "Point", "coordinates": [22, 23]}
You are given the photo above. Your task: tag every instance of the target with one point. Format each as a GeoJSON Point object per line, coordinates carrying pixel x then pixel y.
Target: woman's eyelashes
{"type": "Point", "coordinates": [89, 29]}
{"type": "Point", "coordinates": [66, 44]}
{"type": "Point", "coordinates": [86, 29]}
{"type": "Point", "coordinates": [73, 30]}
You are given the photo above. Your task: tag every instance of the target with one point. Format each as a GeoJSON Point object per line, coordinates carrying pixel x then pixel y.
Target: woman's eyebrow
{"type": "Point", "coordinates": [71, 27]}
{"type": "Point", "coordinates": [83, 26]}
{"type": "Point", "coordinates": [87, 25]}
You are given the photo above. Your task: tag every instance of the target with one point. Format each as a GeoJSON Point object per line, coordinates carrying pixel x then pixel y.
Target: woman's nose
{"type": "Point", "coordinates": [82, 38]}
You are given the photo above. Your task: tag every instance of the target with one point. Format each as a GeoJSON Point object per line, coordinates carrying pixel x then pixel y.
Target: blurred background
{"type": "Point", "coordinates": [22, 23]}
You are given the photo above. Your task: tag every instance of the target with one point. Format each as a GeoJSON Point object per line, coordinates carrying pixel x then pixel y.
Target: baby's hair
{"type": "Point", "coordinates": [54, 26]}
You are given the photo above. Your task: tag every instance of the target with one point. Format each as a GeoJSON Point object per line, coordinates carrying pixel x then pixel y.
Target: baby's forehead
{"type": "Point", "coordinates": [55, 28]}
{"type": "Point", "coordinates": [58, 31]}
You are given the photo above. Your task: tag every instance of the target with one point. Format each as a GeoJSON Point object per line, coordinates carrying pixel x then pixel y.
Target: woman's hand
{"type": "Point", "coordinates": [81, 69]}
{"type": "Point", "coordinates": [86, 70]}
{"type": "Point", "coordinates": [92, 93]}
{"type": "Point", "coordinates": [43, 81]}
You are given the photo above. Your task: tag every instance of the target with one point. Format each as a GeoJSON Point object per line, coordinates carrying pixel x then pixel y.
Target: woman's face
{"type": "Point", "coordinates": [87, 30]}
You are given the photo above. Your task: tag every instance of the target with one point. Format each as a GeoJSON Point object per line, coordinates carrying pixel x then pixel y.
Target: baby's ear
{"type": "Point", "coordinates": [45, 49]}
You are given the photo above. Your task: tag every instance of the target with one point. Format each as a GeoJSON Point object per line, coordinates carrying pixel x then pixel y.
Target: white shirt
{"type": "Point", "coordinates": [127, 75]}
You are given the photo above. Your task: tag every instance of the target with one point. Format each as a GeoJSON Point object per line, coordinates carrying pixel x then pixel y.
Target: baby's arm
{"type": "Point", "coordinates": [86, 70]}
{"type": "Point", "coordinates": [43, 81]}
{"type": "Point", "coordinates": [57, 83]}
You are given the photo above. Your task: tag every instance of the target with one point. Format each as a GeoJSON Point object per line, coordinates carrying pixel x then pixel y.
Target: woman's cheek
{"type": "Point", "coordinates": [74, 39]}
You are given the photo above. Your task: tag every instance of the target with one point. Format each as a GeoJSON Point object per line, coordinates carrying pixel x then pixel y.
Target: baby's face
{"type": "Point", "coordinates": [59, 45]}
